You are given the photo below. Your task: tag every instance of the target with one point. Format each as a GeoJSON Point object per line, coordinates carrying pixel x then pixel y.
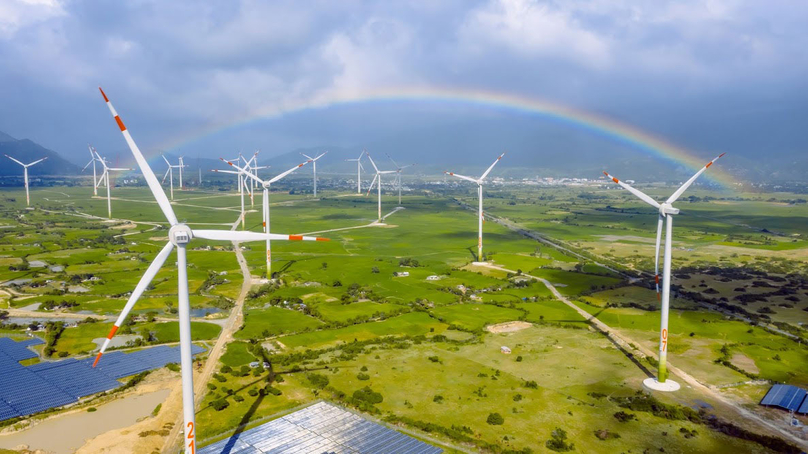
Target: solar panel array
{"type": "Point", "coordinates": [28, 390]}
{"type": "Point", "coordinates": [787, 397]}
{"type": "Point", "coordinates": [320, 428]}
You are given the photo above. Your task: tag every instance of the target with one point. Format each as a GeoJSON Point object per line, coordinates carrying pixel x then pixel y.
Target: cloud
{"type": "Point", "coordinates": [16, 14]}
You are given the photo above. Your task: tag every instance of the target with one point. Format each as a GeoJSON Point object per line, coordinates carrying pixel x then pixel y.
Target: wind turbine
{"type": "Point", "coordinates": [242, 185]}
{"type": "Point", "coordinates": [314, 167]}
{"type": "Point", "coordinates": [359, 169]}
{"type": "Point", "coordinates": [265, 200]}
{"type": "Point", "coordinates": [105, 179]}
{"type": "Point", "coordinates": [378, 178]}
{"type": "Point", "coordinates": [25, 175]}
{"type": "Point", "coordinates": [666, 213]}
{"type": "Point", "coordinates": [252, 167]}
{"type": "Point", "coordinates": [92, 161]}
{"type": "Point", "coordinates": [479, 182]}
{"type": "Point", "coordinates": [170, 173]}
{"type": "Point", "coordinates": [179, 235]}
{"type": "Point", "coordinates": [398, 175]}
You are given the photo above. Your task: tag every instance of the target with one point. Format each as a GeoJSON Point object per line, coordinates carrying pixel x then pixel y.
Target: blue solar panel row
{"type": "Point", "coordinates": [28, 390]}
{"type": "Point", "coordinates": [18, 351]}
{"type": "Point", "coordinates": [787, 397]}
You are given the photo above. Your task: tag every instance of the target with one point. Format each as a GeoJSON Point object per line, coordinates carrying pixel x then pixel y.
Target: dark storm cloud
{"type": "Point", "coordinates": [704, 74]}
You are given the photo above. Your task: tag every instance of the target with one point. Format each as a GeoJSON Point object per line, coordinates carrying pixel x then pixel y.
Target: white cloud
{"type": "Point", "coordinates": [16, 14]}
{"type": "Point", "coordinates": [531, 28]}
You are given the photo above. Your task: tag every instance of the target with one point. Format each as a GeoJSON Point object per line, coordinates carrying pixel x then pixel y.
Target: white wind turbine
{"type": "Point", "coordinates": [479, 182]}
{"type": "Point", "coordinates": [242, 186]}
{"type": "Point", "coordinates": [93, 160]}
{"type": "Point", "coordinates": [359, 169]}
{"type": "Point", "coordinates": [25, 175]}
{"type": "Point", "coordinates": [105, 178]}
{"type": "Point", "coordinates": [170, 174]}
{"type": "Point", "coordinates": [314, 167]}
{"type": "Point", "coordinates": [377, 178]}
{"type": "Point", "coordinates": [398, 175]}
{"type": "Point", "coordinates": [666, 213]}
{"type": "Point", "coordinates": [266, 184]}
{"type": "Point", "coordinates": [252, 167]}
{"type": "Point", "coordinates": [179, 235]}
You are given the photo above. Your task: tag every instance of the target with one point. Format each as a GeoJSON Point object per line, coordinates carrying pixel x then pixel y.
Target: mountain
{"type": "Point", "coordinates": [26, 151]}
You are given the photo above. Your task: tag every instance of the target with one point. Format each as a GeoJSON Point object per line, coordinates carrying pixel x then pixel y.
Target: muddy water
{"type": "Point", "coordinates": [65, 434]}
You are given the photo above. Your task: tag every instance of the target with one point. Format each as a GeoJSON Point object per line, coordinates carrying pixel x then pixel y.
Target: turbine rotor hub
{"type": "Point", "coordinates": [180, 234]}
{"type": "Point", "coordinates": [666, 209]}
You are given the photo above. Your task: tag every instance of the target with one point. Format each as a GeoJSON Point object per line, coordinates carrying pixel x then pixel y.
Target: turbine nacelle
{"type": "Point", "coordinates": [180, 234]}
{"type": "Point", "coordinates": [667, 208]}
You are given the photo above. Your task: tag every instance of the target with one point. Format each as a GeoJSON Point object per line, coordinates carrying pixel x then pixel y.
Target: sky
{"type": "Point", "coordinates": [709, 76]}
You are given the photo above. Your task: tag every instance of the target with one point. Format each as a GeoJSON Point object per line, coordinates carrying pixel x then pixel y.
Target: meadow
{"type": "Point", "coordinates": [337, 307]}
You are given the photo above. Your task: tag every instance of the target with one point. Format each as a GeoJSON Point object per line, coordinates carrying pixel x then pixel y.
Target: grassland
{"type": "Point", "coordinates": [342, 301]}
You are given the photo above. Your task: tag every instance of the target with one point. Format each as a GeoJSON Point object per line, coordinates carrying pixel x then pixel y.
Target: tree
{"type": "Point", "coordinates": [558, 441]}
{"type": "Point", "coordinates": [495, 419]}
{"type": "Point", "coordinates": [220, 404]}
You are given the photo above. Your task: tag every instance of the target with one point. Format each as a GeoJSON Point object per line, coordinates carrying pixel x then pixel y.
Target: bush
{"type": "Point", "coordinates": [517, 397]}
{"type": "Point", "coordinates": [252, 392]}
{"type": "Point", "coordinates": [238, 398]}
{"type": "Point", "coordinates": [271, 390]}
{"type": "Point", "coordinates": [318, 380]}
{"type": "Point", "coordinates": [362, 376]}
{"type": "Point", "coordinates": [624, 417]}
{"type": "Point", "coordinates": [226, 369]}
{"type": "Point", "coordinates": [368, 395]}
{"type": "Point", "coordinates": [173, 367]}
{"type": "Point", "coordinates": [558, 441]}
{"type": "Point", "coordinates": [604, 434]}
{"type": "Point", "coordinates": [220, 404]}
{"type": "Point", "coordinates": [91, 409]}
{"type": "Point", "coordinates": [518, 359]}
{"type": "Point", "coordinates": [495, 419]}
{"type": "Point", "coordinates": [531, 384]}
{"type": "Point", "coordinates": [434, 359]}
{"type": "Point", "coordinates": [211, 386]}
{"type": "Point", "coordinates": [437, 399]}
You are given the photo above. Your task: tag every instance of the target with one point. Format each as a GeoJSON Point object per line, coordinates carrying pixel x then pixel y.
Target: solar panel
{"type": "Point", "coordinates": [785, 396]}
{"type": "Point", "coordinates": [804, 407]}
{"type": "Point", "coordinates": [321, 428]}
{"type": "Point", "coordinates": [50, 384]}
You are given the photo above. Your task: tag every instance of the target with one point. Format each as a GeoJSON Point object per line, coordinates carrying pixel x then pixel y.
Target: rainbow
{"type": "Point", "coordinates": [576, 118]}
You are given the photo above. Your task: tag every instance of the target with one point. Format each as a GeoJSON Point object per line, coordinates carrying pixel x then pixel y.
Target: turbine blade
{"type": "Point", "coordinates": [151, 271]}
{"type": "Point", "coordinates": [370, 188]}
{"type": "Point", "coordinates": [492, 166]}
{"type": "Point", "coordinates": [18, 162]}
{"type": "Point", "coordinates": [88, 165]}
{"type": "Point", "coordinates": [243, 172]}
{"type": "Point", "coordinates": [394, 162]}
{"type": "Point", "coordinates": [151, 180]}
{"type": "Point", "coordinates": [243, 236]}
{"type": "Point", "coordinates": [371, 161]}
{"type": "Point", "coordinates": [234, 172]}
{"type": "Point", "coordinates": [320, 156]}
{"type": "Point", "coordinates": [307, 156]}
{"type": "Point", "coordinates": [462, 176]}
{"type": "Point", "coordinates": [279, 176]}
{"type": "Point", "coordinates": [37, 162]}
{"type": "Point", "coordinates": [165, 159]}
{"type": "Point", "coordinates": [644, 197]}
{"type": "Point", "coordinates": [166, 175]}
{"type": "Point", "coordinates": [687, 184]}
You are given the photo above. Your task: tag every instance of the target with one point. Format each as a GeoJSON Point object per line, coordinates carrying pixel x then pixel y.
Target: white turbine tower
{"type": "Point", "coordinates": [314, 167]}
{"type": "Point", "coordinates": [252, 167]}
{"type": "Point", "coordinates": [265, 185]}
{"type": "Point", "coordinates": [170, 174]}
{"type": "Point", "coordinates": [105, 179]}
{"type": "Point", "coordinates": [377, 178]}
{"type": "Point", "coordinates": [93, 160]}
{"type": "Point", "coordinates": [25, 175]}
{"type": "Point", "coordinates": [359, 169]}
{"type": "Point", "coordinates": [398, 175]}
{"type": "Point", "coordinates": [179, 235]}
{"type": "Point", "coordinates": [666, 213]}
{"type": "Point", "coordinates": [479, 182]}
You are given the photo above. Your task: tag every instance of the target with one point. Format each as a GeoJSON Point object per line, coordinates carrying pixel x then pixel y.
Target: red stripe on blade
{"type": "Point", "coordinates": [104, 95]}
{"type": "Point", "coordinates": [323, 239]}
{"type": "Point", "coordinates": [120, 123]}
{"type": "Point", "coordinates": [112, 332]}
{"type": "Point", "coordinates": [295, 238]}
{"type": "Point", "coordinates": [708, 165]}
{"type": "Point", "coordinates": [615, 180]}
{"type": "Point", "coordinates": [97, 358]}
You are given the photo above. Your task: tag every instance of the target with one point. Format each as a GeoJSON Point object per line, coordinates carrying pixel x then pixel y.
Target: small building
{"type": "Point", "coordinates": [787, 397]}
{"type": "Point", "coordinates": [254, 365]}
{"type": "Point", "coordinates": [401, 273]}
{"type": "Point", "coordinates": [434, 277]}
{"type": "Point", "coordinates": [505, 350]}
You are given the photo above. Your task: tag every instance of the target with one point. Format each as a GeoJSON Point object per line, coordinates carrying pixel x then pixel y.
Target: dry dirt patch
{"type": "Point", "coordinates": [508, 327]}
{"type": "Point", "coordinates": [745, 363]}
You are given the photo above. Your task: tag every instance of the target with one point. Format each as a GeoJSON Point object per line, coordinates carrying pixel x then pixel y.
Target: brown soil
{"type": "Point", "coordinates": [508, 327]}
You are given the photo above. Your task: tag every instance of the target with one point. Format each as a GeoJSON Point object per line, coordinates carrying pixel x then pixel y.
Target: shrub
{"type": "Point", "coordinates": [437, 399]}
{"type": "Point", "coordinates": [604, 434]}
{"type": "Point", "coordinates": [624, 417]}
{"type": "Point", "coordinates": [531, 384]}
{"type": "Point", "coordinates": [272, 390]}
{"type": "Point", "coordinates": [434, 359]}
{"type": "Point", "coordinates": [495, 419]}
{"type": "Point", "coordinates": [518, 359]}
{"type": "Point", "coordinates": [173, 367]}
{"type": "Point", "coordinates": [362, 376]}
{"type": "Point", "coordinates": [517, 397]}
{"type": "Point", "coordinates": [318, 380]}
{"type": "Point", "coordinates": [558, 441]}
{"type": "Point", "coordinates": [252, 392]}
{"type": "Point", "coordinates": [238, 398]}
{"type": "Point", "coordinates": [91, 409]}
{"type": "Point", "coordinates": [226, 369]}
{"type": "Point", "coordinates": [220, 404]}
{"type": "Point", "coordinates": [368, 395]}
